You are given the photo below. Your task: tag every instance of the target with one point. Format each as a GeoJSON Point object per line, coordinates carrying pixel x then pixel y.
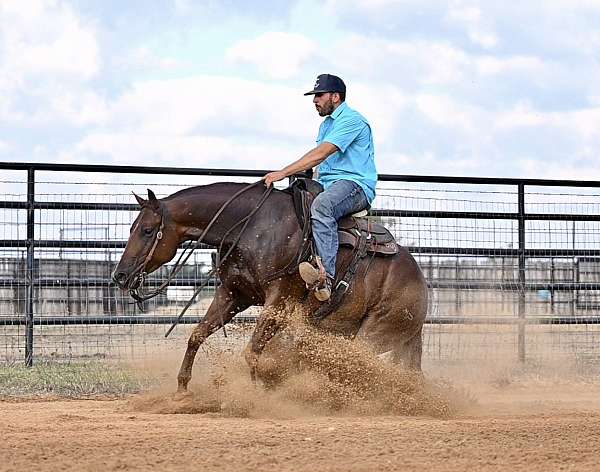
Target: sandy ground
{"type": "Point", "coordinates": [351, 411]}
{"type": "Point", "coordinates": [534, 428]}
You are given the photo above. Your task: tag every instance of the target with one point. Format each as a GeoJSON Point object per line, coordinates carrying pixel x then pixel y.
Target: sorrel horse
{"type": "Point", "coordinates": [386, 304]}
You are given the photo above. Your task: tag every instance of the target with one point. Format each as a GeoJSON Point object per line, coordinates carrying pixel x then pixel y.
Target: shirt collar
{"type": "Point", "coordinates": [339, 110]}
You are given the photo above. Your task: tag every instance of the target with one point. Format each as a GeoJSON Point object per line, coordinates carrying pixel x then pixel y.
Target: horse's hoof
{"type": "Point", "coordinates": [181, 395]}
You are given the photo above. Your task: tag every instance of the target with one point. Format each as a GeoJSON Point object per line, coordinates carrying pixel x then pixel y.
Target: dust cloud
{"type": "Point", "coordinates": [307, 373]}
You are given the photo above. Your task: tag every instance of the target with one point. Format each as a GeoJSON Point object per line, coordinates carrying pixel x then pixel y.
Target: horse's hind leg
{"type": "Point", "coordinates": [409, 352]}
{"type": "Point", "coordinates": [397, 332]}
{"type": "Point", "coordinates": [222, 309]}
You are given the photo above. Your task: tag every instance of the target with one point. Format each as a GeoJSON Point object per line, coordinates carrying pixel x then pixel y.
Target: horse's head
{"type": "Point", "coordinates": [152, 242]}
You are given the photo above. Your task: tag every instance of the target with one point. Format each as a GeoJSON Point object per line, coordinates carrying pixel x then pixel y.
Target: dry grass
{"type": "Point", "coordinates": [71, 380]}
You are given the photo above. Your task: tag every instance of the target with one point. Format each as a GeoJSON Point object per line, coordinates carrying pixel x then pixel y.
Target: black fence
{"type": "Point", "coordinates": [554, 264]}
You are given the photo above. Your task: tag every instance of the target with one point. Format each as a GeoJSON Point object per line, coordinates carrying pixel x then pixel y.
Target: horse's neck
{"type": "Point", "coordinates": [194, 210]}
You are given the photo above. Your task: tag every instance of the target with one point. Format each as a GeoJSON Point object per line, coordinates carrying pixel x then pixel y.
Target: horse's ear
{"type": "Point", "coordinates": [140, 200]}
{"type": "Point", "coordinates": [152, 200]}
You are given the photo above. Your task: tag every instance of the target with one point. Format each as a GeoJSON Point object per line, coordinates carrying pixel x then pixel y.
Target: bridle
{"type": "Point", "coordinates": [191, 247]}
{"type": "Point", "coordinates": [141, 271]}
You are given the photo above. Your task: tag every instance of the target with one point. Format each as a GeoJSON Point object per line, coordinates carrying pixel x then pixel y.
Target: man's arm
{"type": "Point", "coordinates": [308, 161]}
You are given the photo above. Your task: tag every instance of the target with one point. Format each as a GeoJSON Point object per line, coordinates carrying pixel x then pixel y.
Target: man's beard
{"type": "Point", "coordinates": [326, 109]}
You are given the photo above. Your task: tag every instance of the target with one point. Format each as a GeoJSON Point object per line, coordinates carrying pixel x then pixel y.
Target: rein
{"type": "Point", "coordinates": [135, 294]}
{"type": "Point", "coordinates": [246, 221]}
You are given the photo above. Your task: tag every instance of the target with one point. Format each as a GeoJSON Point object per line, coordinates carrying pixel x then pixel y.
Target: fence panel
{"type": "Point", "coordinates": [513, 265]}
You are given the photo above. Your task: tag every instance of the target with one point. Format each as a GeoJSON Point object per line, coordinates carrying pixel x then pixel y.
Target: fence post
{"type": "Point", "coordinates": [575, 273]}
{"type": "Point", "coordinates": [29, 275]}
{"type": "Point", "coordinates": [521, 313]}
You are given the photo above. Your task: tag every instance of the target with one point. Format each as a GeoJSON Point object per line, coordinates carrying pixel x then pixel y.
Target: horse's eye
{"type": "Point", "coordinates": [148, 231]}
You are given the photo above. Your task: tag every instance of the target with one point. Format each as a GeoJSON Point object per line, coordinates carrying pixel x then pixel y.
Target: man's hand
{"type": "Point", "coordinates": [311, 159]}
{"type": "Point", "coordinates": [274, 177]}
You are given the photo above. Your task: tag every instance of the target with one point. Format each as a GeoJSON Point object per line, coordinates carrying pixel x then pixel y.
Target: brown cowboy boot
{"type": "Point", "coordinates": [316, 279]}
{"type": "Point", "coordinates": [311, 274]}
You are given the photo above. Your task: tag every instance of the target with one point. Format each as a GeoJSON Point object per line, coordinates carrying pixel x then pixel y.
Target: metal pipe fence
{"type": "Point", "coordinates": [513, 264]}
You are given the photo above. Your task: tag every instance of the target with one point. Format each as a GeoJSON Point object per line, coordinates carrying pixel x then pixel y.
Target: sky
{"type": "Point", "coordinates": [465, 88]}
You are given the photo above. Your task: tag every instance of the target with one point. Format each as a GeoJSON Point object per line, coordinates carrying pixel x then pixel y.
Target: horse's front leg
{"type": "Point", "coordinates": [269, 323]}
{"type": "Point", "coordinates": [221, 310]}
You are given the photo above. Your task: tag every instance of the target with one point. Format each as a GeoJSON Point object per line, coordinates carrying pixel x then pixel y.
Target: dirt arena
{"type": "Point", "coordinates": [533, 429]}
{"type": "Point", "coordinates": [350, 412]}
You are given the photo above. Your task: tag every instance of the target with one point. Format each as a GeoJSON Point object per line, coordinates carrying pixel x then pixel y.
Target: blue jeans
{"type": "Point", "coordinates": [342, 198]}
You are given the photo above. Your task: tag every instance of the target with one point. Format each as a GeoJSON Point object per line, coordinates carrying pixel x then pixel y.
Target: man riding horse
{"type": "Point", "coordinates": [385, 306]}
{"type": "Point", "coordinates": [345, 160]}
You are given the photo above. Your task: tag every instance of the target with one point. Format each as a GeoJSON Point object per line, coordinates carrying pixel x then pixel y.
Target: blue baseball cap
{"type": "Point", "coordinates": [328, 83]}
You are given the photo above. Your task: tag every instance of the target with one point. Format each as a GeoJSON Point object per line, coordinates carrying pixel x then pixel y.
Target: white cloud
{"type": "Point", "coordinates": [540, 26]}
{"type": "Point", "coordinates": [221, 104]}
{"type": "Point", "coordinates": [449, 88]}
{"type": "Point", "coordinates": [522, 115]}
{"type": "Point", "coordinates": [202, 121]}
{"type": "Point", "coordinates": [181, 151]}
{"type": "Point", "coordinates": [415, 61]}
{"type": "Point", "coordinates": [80, 108]}
{"type": "Point", "coordinates": [420, 63]}
{"type": "Point", "coordinates": [46, 39]}
{"type": "Point", "coordinates": [445, 111]}
{"type": "Point", "coordinates": [143, 57]}
{"type": "Point", "coordinates": [219, 121]}
{"type": "Point", "coordinates": [582, 123]}
{"type": "Point", "coordinates": [415, 67]}
{"type": "Point", "coordinates": [383, 106]}
{"type": "Point", "coordinates": [4, 147]}
{"type": "Point", "coordinates": [49, 56]}
{"type": "Point", "coordinates": [182, 6]}
{"type": "Point", "coordinates": [277, 55]}
{"type": "Point", "coordinates": [375, 5]}
{"type": "Point", "coordinates": [490, 65]}
{"type": "Point", "coordinates": [541, 169]}
{"type": "Point", "coordinates": [471, 18]}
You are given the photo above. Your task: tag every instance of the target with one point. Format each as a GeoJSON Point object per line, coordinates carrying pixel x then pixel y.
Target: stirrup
{"type": "Point", "coordinates": [323, 293]}
{"type": "Point", "coordinates": [321, 267]}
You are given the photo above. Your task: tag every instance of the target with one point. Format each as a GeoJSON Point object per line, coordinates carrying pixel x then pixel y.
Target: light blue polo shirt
{"type": "Point", "coordinates": [351, 133]}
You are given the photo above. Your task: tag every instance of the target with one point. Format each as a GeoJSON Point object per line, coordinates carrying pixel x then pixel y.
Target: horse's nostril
{"type": "Point", "coordinates": [118, 277]}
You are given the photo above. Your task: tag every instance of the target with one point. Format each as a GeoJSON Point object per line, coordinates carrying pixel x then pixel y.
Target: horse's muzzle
{"type": "Point", "coordinates": [119, 278]}
{"type": "Point", "coordinates": [124, 281]}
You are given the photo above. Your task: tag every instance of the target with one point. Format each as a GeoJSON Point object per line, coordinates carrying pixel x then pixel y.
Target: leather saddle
{"type": "Point", "coordinates": [379, 241]}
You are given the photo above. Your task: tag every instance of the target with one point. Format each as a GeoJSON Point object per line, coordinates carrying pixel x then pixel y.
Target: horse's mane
{"type": "Point", "coordinates": [215, 188]}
